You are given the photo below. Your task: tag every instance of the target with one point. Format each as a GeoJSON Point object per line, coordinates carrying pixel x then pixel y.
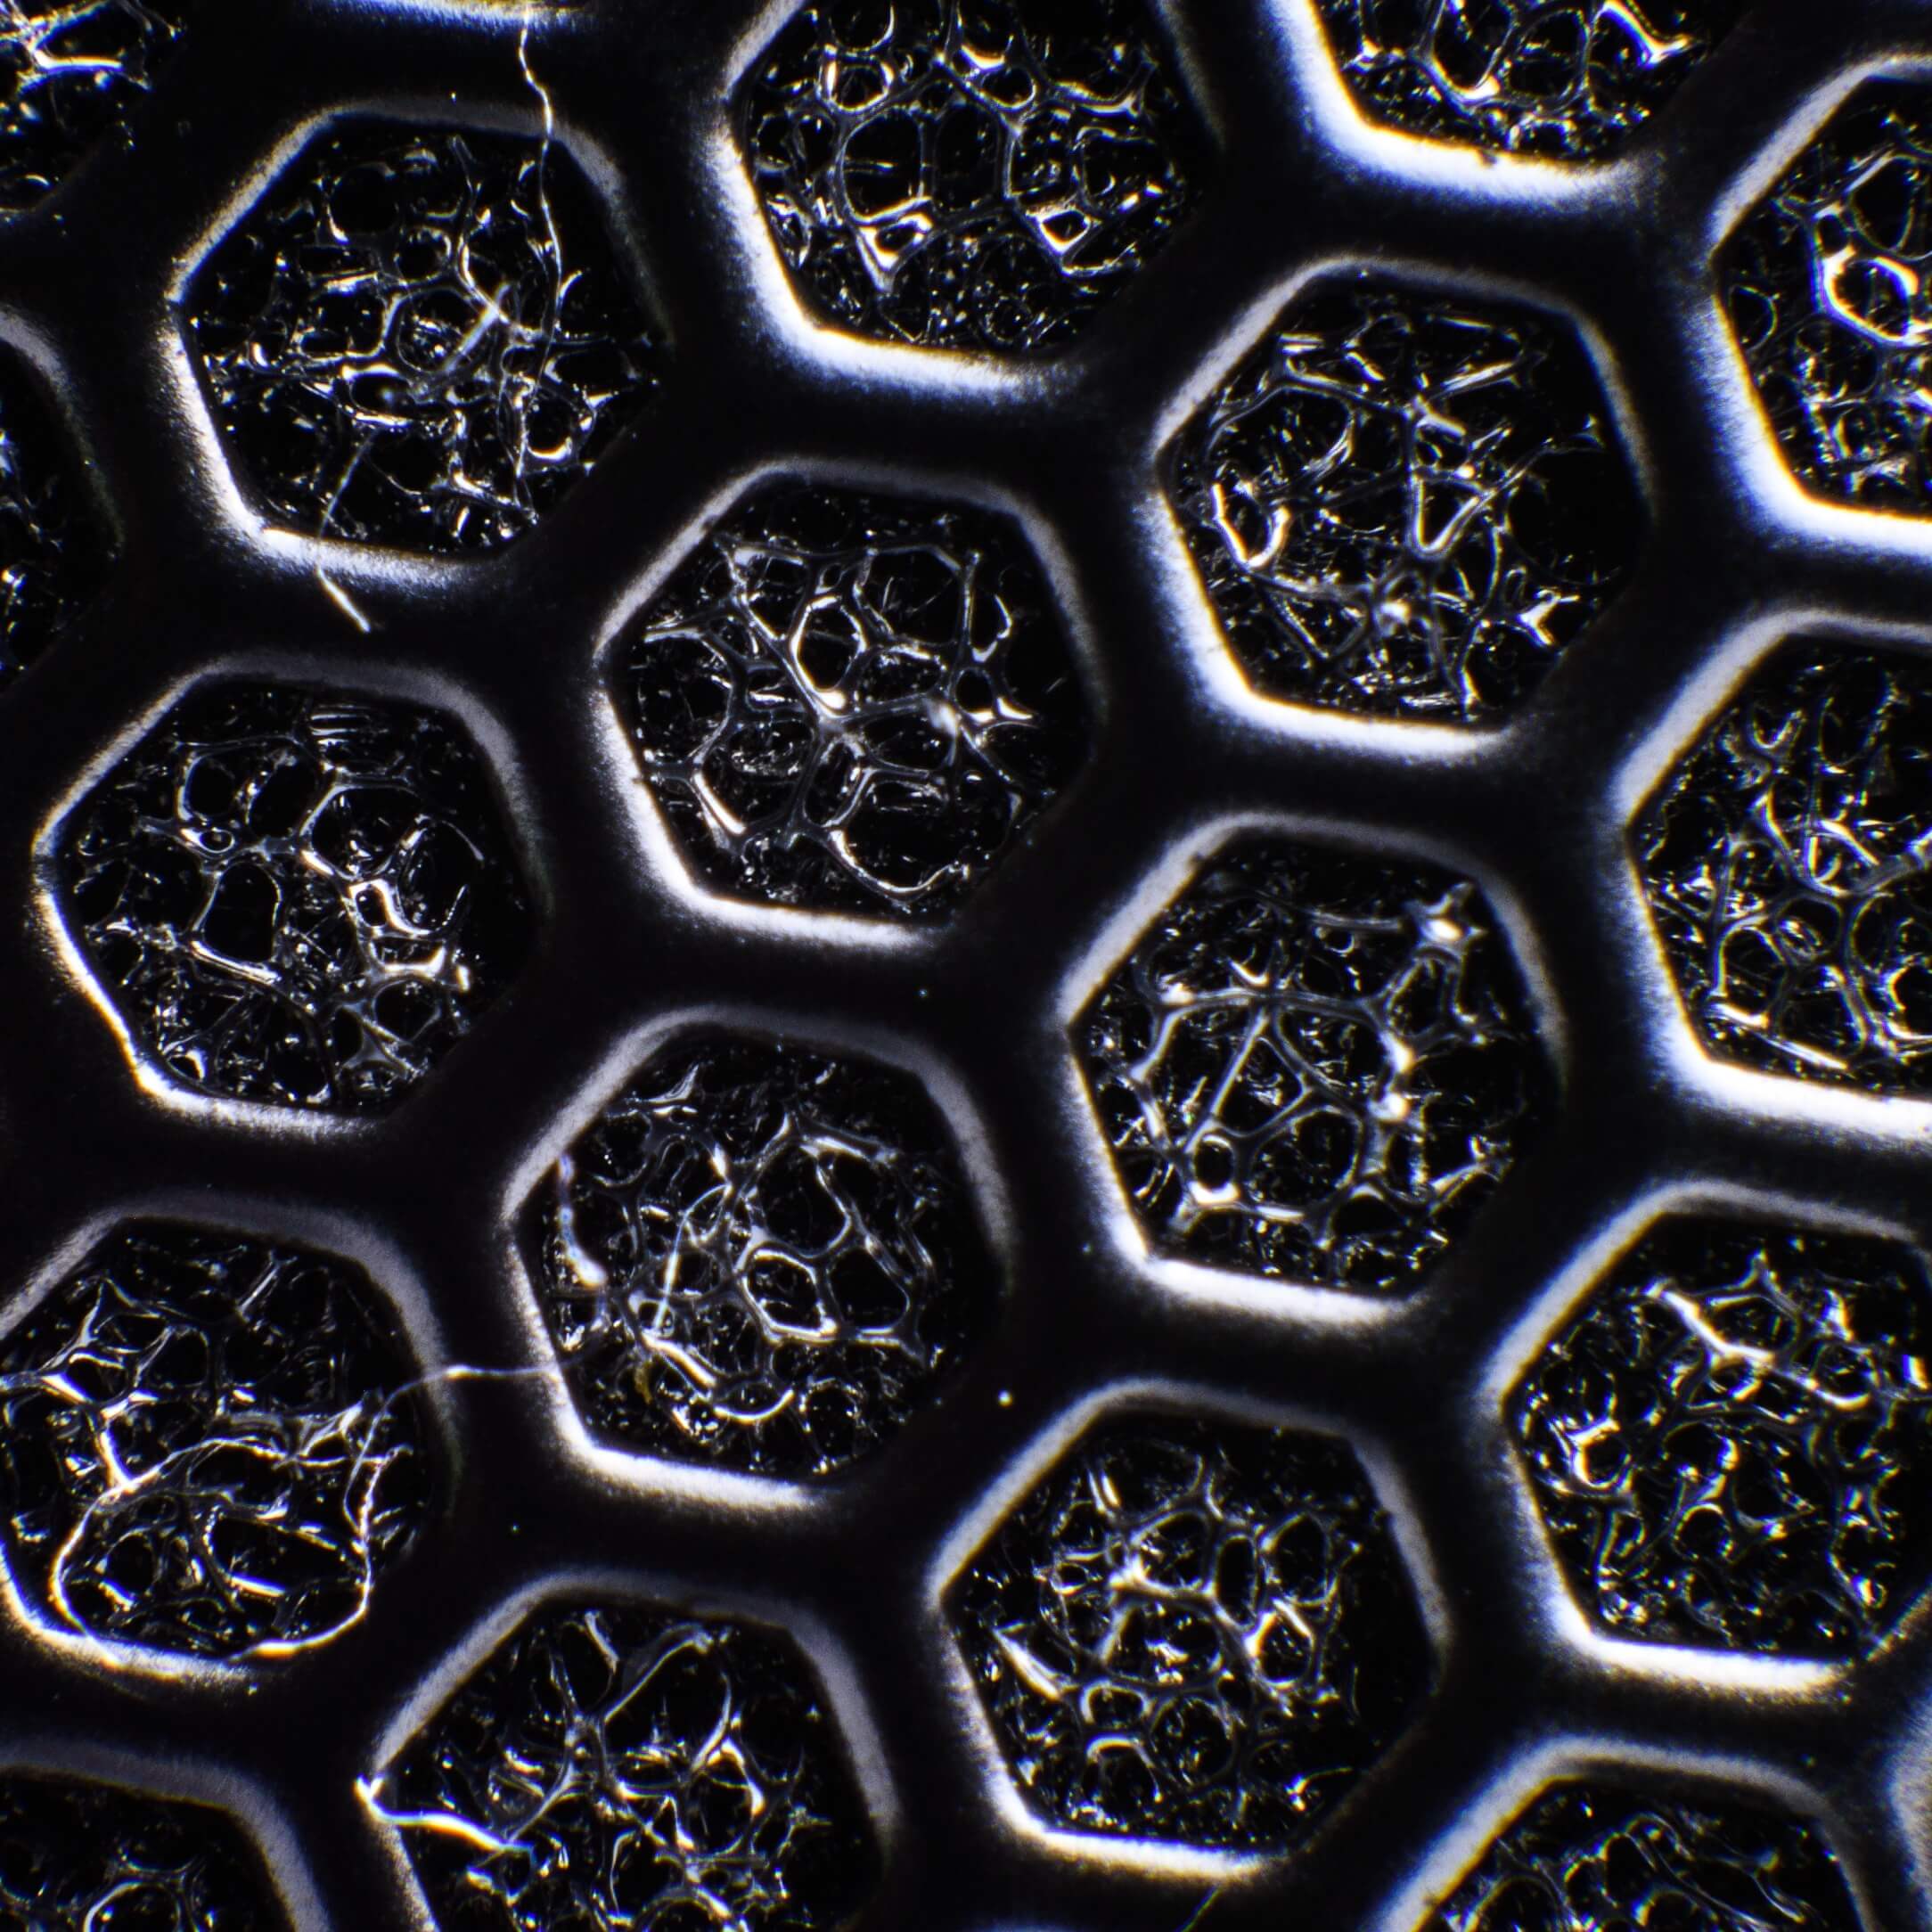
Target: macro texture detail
{"type": "Point", "coordinates": [1314, 1065]}
{"type": "Point", "coordinates": [205, 1445]}
{"type": "Point", "coordinates": [71, 71]}
{"type": "Point", "coordinates": [77, 1856]}
{"type": "Point", "coordinates": [1404, 503]}
{"type": "Point", "coordinates": [54, 546]}
{"type": "Point", "coordinates": [846, 702]}
{"type": "Point", "coordinates": [1828, 282]}
{"type": "Point", "coordinates": [420, 338]}
{"type": "Point", "coordinates": [1572, 79]}
{"type": "Point", "coordinates": [966, 173]}
{"type": "Point", "coordinates": [761, 1258]}
{"type": "Point", "coordinates": [1192, 1632]}
{"type": "Point", "coordinates": [294, 897]}
{"type": "Point", "coordinates": [1785, 861]}
{"type": "Point", "coordinates": [1585, 1857]}
{"type": "Point", "coordinates": [610, 1765]}
{"type": "Point", "coordinates": [1730, 1440]}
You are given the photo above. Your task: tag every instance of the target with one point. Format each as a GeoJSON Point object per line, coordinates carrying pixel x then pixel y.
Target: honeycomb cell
{"type": "Point", "coordinates": [967, 174]}
{"type": "Point", "coordinates": [1195, 1634]}
{"type": "Point", "coordinates": [418, 336]}
{"type": "Point", "coordinates": [760, 1257]}
{"type": "Point", "coordinates": [1585, 1856]}
{"type": "Point", "coordinates": [1314, 1065]}
{"type": "Point", "coordinates": [77, 1856]}
{"type": "Point", "coordinates": [1784, 860]}
{"type": "Point", "coordinates": [1825, 282]}
{"type": "Point", "coordinates": [55, 547]}
{"type": "Point", "coordinates": [1730, 1440]}
{"type": "Point", "coordinates": [612, 1766]}
{"type": "Point", "coordinates": [851, 703]}
{"type": "Point", "coordinates": [1406, 503]}
{"type": "Point", "coordinates": [208, 1445]}
{"type": "Point", "coordinates": [294, 897]}
{"type": "Point", "coordinates": [71, 72]}
{"type": "Point", "coordinates": [1569, 78]}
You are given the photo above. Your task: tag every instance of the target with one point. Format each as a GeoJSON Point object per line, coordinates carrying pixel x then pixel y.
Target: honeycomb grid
{"type": "Point", "coordinates": [1533, 818]}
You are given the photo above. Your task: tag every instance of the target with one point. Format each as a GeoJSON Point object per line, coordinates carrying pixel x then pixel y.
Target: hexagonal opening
{"type": "Point", "coordinates": [1780, 857]}
{"type": "Point", "coordinates": [706, 1766]}
{"type": "Point", "coordinates": [1406, 502]}
{"type": "Point", "coordinates": [291, 897]}
{"type": "Point", "coordinates": [846, 702]}
{"type": "Point", "coordinates": [419, 336]}
{"type": "Point", "coordinates": [1828, 286]}
{"type": "Point", "coordinates": [1314, 1066]}
{"type": "Point", "coordinates": [759, 1257]}
{"type": "Point", "coordinates": [1730, 1438]}
{"type": "Point", "coordinates": [210, 1445]}
{"type": "Point", "coordinates": [1195, 1632]}
{"type": "Point", "coordinates": [1571, 79]}
{"type": "Point", "coordinates": [969, 174]}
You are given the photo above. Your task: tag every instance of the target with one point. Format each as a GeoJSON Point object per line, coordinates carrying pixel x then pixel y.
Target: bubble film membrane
{"type": "Point", "coordinates": [1570, 78]}
{"type": "Point", "coordinates": [611, 1766]}
{"type": "Point", "coordinates": [295, 897]}
{"type": "Point", "coordinates": [1825, 282]}
{"type": "Point", "coordinates": [1731, 1439]}
{"type": "Point", "coordinates": [846, 702]}
{"type": "Point", "coordinates": [761, 1258]}
{"type": "Point", "coordinates": [1586, 1857]}
{"type": "Point", "coordinates": [1313, 1065]}
{"type": "Point", "coordinates": [205, 1447]}
{"type": "Point", "coordinates": [1784, 861]}
{"type": "Point", "coordinates": [966, 173]}
{"type": "Point", "coordinates": [72, 72]}
{"type": "Point", "coordinates": [1192, 1632]}
{"type": "Point", "coordinates": [1406, 503]}
{"type": "Point", "coordinates": [422, 338]}
{"type": "Point", "coordinates": [84, 1857]}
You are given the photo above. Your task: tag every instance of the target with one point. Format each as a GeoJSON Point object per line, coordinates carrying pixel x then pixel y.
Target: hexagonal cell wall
{"type": "Point", "coordinates": [1729, 1439]}
{"type": "Point", "coordinates": [851, 703]}
{"type": "Point", "coordinates": [967, 174]}
{"type": "Point", "coordinates": [79, 1856]}
{"type": "Point", "coordinates": [73, 73]}
{"type": "Point", "coordinates": [1782, 857]}
{"type": "Point", "coordinates": [1825, 282]}
{"type": "Point", "coordinates": [1406, 502]}
{"type": "Point", "coordinates": [710, 1786]}
{"type": "Point", "coordinates": [1195, 1632]}
{"type": "Point", "coordinates": [761, 1258]}
{"type": "Point", "coordinates": [294, 897]}
{"type": "Point", "coordinates": [1586, 1854]}
{"type": "Point", "coordinates": [209, 1446]}
{"type": "Point", "coordinates": [1314, 1065]}
{"type": "Point", "coordinates": [1572, 79]}
{"type": "Point", "coordinates": [421, 337]}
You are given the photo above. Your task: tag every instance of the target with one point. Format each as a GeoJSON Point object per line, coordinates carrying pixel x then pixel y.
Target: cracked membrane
{"type": "Point", "coordinates": [204, 1445]}
{"type": "Point", "coordinates": [966, 173]}
{"type": "Point", "coordinates": [855, 702]}
{"type": "Point", "coordinates": [1195, 1634]}
{"type": "Point", "coordinates": [1587, 1856]}
{"type": "Point", "coordinates": [295, 897]}
{"type": "Point", "coordinates": [614, 1765]}
{"type": "Point", "coordinates": [1784, 860]}
{"type": "Point", "coordinates": [761, 1258]}
{"type": "Point", "coordinates": [1731, 1439]}
{"type": "Point", "coordinates": [1406, 505]}
{"type": "Point", "coordinates": [1314, 1065]}
{"type": "Point", "coordinates": [420, 338]}
{"type": "Point", "coordinates": [1570, 78]}
{"type": "Point", "coordinates": [77, 1856]}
